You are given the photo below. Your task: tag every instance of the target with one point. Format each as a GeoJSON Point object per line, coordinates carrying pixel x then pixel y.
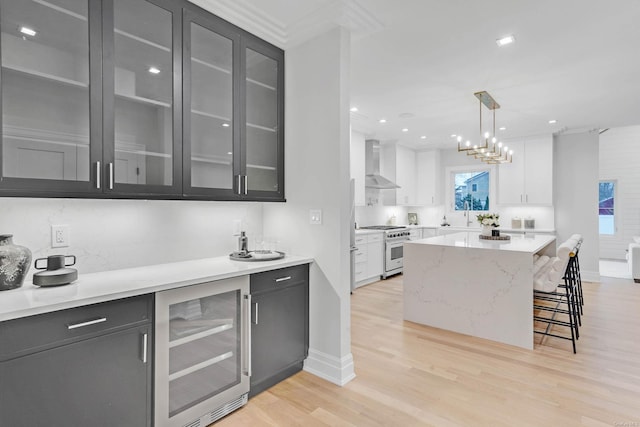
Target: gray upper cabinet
{"type": "Point", "coordinates": [142, 128]}
{"type": "Point", "coordinates": [137, 98]}
{"type": "Point", "coordinates": [233, 112]}
{"type": "Point", "coordinates": [50, 120]}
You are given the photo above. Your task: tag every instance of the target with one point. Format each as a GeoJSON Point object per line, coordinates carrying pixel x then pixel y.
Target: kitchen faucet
{"type": "Point", "coordinates": [466, 212]}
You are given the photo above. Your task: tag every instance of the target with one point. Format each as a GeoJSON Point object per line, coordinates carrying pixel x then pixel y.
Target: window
{"type": "Point", "coordinates": [471, 189]}
{"type": "Point", "coordinates": [606, 207]}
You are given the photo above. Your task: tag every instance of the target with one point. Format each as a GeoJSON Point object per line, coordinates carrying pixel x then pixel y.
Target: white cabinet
{"type": "Point", "coordinates": [529, 179]}
{"type": "Point", "coordinates": [369, 262]}
{"type": "Point", "coordinates": [428, 178]}
{"type": "Point", "coordinates": [415, 234]}
{"type": "Point", "coordinates": [398, 164]}
{"type": "Point", "coordinates": [357, 147]}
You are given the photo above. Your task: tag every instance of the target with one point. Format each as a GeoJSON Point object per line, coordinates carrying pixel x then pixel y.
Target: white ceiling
{"type": "Point", "coordinates": [576, 61]}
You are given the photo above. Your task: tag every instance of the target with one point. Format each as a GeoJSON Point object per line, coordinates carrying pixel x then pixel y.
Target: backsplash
{"type": "Point", "coordinates": [432, 216]}
{"type": "Point", "coordinates": [114, 234]}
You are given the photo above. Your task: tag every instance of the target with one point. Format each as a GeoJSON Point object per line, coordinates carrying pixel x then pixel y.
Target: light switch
{"type": "Point", "coordinates": [315, 216]}
{"type": "Point", "coordinates": [59, 236]}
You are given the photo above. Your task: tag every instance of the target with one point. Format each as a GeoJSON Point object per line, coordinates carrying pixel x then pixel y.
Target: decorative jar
{"type": "Point", "coordinates": [15, 261]}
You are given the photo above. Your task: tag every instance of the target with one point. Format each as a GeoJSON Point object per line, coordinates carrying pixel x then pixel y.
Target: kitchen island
{"type": "Point", "coordinates": [482, 288]}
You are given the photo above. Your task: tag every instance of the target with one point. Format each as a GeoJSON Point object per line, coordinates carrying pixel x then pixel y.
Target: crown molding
{"type": "Point", "coordinates": [349, 14]}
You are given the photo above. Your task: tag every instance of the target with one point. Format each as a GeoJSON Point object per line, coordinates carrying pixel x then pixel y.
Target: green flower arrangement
{"type": "Point", "coordinates": [492, 219]}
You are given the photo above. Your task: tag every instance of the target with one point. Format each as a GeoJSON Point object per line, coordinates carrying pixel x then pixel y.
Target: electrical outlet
{"type": "Point", "coordinates": [315, 216]}
{"type": "Point", "coordinates": [59, 236]}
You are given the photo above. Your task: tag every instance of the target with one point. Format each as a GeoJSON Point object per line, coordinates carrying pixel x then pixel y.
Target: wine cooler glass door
{"type": "Point", "coordinates": [201, 349]}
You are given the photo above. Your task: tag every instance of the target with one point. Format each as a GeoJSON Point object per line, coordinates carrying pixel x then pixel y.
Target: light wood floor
{"type": "Point", "coordinates": [413, 375]}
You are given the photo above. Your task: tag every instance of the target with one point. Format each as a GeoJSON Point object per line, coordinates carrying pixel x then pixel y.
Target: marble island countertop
{"type": "Point", "coordinates": [518, 243]}
{"type": "Point", "coordinates": [93, 288]}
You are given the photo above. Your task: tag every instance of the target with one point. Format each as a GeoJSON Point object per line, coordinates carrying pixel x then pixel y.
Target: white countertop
{"type": "Point", "coordinates": [502, 229]}
{"type": "Point", "coordinates": [361, 232]}
{"type": "Point", "coordinates": [519, 242]}
{"type": "Point", "coordinates": [110, 285]}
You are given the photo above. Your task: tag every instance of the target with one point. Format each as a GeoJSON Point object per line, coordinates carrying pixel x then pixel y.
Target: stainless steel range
{"type": "Point", "coordinates": [394, 238]}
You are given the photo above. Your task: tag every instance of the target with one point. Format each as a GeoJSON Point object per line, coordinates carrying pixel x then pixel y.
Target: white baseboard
{"type": "Point", "coordinates": [590, 276]}
{"type": "Point", "coordinates": [330, 368]}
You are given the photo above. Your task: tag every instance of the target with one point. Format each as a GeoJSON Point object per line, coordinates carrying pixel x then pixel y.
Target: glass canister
{"type": "Point", "coordinates": [516, 222]}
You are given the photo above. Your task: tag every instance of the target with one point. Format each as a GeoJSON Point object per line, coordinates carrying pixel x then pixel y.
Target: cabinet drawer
{"type": "Point", "coordinates": [280, 278]}
{"type": "Point", "coordinates": [361, 256]}
{"type": "Point", "coordinates": [360, 271]}
{"type": "Point", "coordinates": [42, 331]}
{"type": "Point", "coordinates": [361, 240]}
{"type": "Point", "coordinates": [374, 237]}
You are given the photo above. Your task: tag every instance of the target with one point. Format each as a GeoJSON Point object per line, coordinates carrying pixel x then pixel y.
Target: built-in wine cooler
{"type": "Point", "coordinates": [202, 352]}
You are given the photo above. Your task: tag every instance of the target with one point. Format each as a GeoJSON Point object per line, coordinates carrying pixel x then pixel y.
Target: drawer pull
{"type": "Point", "coordinates": [283, 279]}
{"type": "Point", "coordinates": [87, 323]}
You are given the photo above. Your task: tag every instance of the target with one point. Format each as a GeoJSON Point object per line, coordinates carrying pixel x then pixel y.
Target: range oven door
{"type": "Point", "coordinates": [393, 255]}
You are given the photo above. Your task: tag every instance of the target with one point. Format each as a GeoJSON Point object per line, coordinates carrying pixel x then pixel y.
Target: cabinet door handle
{"type": "Point", "coordinates": [246, 184]}
{"type": "Point", "coordinates": [145, 338]}
{"type": "Point", "coordinates": [87, 323]}
{"type": "Point", "coordinates": [111, 176]}
{"type": "Point", "coordinates": [521, 198]}
{"type": "Point", "coordinates": [283, 279]}
{"type": "Point", "coordinates": [255, 314]}
{"type": "Point", "coordinates": [527, 198]}
{"type": "Point", "coordinates": [98, 174]}
{"type": "Point", "coordinates": [239, 184]}
{"type": "Point", "coordinates": [247, 357]}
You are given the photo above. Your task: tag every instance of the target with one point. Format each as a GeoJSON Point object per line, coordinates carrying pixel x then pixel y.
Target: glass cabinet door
{"type": "Point", "coordinates": [141, 146]}
{"type": "Point", "coordinates": [211, 155]}
{"type": "Point", "coordinates": [45, 91]}
{"type": "Point", "coordinates": [264, 121]}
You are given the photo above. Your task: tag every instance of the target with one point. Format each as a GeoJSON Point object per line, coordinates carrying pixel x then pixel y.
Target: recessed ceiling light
{"type": "Point", "coordinates": [453, 135]}
{"type": "Point", "coordinates": [423, 137]}
{"type": "Point", "coordinates": [28, 31]}
{"type": "Point", "coordinates": [353, 109]}
{"type": "Point", "coordinates": [382, 121]}
{"type": "Point", "coordinates": [154, 70]}
{"type": "Point", "coordinates": [225, 125]}
{"type": "Point", "coordinates": [405, 130]}
{"type": "Point", "coordinates": [505, 40]}
{"type": "Point", "coordinates": [553, 122]}
{"type": "Point", "coordinates": [230, 153]}
{"type": "Point", "coordinates": [502, 128]}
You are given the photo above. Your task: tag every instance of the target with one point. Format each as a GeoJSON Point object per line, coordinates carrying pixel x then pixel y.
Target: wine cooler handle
{"type": "Point", "coordinates": [247, 300]}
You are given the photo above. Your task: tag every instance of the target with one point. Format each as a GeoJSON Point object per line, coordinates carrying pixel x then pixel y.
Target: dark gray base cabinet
{"type": "Point", "coordinates": [279, 325]}
{"type": "Point", "coordinates": [94, 375]}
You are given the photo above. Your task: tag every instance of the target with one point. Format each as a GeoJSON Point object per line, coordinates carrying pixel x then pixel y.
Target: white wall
{"type": "Point", "coordinates": [620, 161]}
{"type": "Point", "coordinates": [576, 196]}
{"type": "Point", "coordinates": [115, 234]}
{"type": "Point", "coordinates": [317, 177]}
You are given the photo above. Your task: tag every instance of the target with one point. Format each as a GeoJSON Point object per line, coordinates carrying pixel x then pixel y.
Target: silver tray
{"type": "Point", "coordinates": [251, 258]}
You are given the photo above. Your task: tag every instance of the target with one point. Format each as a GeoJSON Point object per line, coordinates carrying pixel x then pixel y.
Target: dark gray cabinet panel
{"type": "Point", "coordinates": [280, 325]}
{"type": "Point", "coordinates": [72, 368]}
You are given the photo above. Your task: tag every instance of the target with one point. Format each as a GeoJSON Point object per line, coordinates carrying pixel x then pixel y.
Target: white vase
{"type": "Point", "coordinates": [486, 230]}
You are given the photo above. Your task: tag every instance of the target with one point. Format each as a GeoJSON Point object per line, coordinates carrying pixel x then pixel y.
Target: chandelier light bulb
{"type": "Point", "coordinates": [468, 143]}
{"type": "Point", "coordinates": [494, 140]}
{"type": "Point", "coordinates": [459, 139]}
{"type": "Point", "coordinates": [486, 135]}
{"type": "Point", "coordinates": [475, 147]}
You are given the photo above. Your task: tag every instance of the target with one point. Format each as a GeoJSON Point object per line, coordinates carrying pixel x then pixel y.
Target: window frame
{"type": "Point", "coordinates": [615, 208]}
{"type": "Point", "coordinates": [450, 186]}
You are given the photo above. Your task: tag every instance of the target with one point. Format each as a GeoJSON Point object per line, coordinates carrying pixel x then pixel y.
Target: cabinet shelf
{"type": "Point", "coordinates": [143, 100]}
{"type": "Point", "coordinates": [254, 126]}
{"type": "Point", "coordinates": [227, 71]}
{"type": "Point", "coordinates": [44, 76]}
{"type": "Point", "coordinates": [198, 335]}
{"type": "Point", "coordinates": [211, 115]}
{"type": "Point", "coordinates": [143, 152]}
{"type": "Point", "coordinates": [199, 366]}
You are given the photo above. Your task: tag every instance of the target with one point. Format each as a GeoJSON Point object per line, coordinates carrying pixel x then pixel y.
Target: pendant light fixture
{"type": "Point", "coordinates": [491, 151]}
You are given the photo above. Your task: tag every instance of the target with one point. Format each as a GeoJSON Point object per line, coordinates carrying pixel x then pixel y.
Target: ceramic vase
{"type": "Point", "coordinates": [15, 261]}
{"type": "Point", "coordinates": [486, 230]}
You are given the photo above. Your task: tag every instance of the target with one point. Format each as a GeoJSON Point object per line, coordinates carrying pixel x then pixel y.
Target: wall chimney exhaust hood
{"type": "Point", "coordinates": [372, 178]}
